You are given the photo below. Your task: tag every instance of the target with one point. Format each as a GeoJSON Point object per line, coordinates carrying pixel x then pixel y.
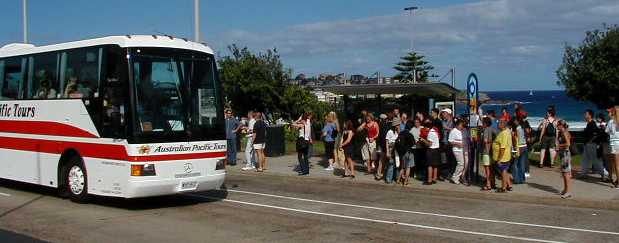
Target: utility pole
{"type": "Point", "coordinates": [25, 17]}
{"type": "Point", "coordinates": [410, 10]}
{"type": "Point", "coordinates": [453, 77]}
{"type": "Point", "coordinates": [196, 20]}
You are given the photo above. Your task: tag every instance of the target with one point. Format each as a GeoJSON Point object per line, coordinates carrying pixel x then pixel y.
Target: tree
{"type": "Point", "coordinates": [253, 81]}
{"type": "Point", "coordinates": [260, 82]}
{"type": "Point", "coordinates": [412, 61]}
{"type": "Point", "coordinates": [590, 72]}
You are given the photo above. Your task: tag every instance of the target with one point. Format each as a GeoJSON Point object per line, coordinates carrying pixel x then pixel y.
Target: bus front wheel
{"type": "Point", "coordinates": [76, 180]}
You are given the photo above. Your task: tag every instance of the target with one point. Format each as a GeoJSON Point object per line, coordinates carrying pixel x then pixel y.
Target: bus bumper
{"type": "Point", "coordinates": [148, 188]}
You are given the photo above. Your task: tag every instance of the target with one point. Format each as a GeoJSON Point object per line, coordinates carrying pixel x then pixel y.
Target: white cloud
{"type": "Point", "coordinates": [496, 33]}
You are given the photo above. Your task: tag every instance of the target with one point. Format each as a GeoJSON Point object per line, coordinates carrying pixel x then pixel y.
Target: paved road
{"type": "Point", "coordinates": [273, 208]}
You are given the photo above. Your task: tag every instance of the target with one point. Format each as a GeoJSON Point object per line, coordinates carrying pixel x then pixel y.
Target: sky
{"type": "Point", "coordinates": [509, 44]}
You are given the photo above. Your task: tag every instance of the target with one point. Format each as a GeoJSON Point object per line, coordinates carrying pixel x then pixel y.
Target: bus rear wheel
{"type": "Point", "coordinates": [75, 180]}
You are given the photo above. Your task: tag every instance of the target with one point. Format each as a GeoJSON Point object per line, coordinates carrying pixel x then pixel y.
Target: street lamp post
{"type": "Point", "coordinates": [25, 22]}
{"type": "Point", "coordinates": [410, 10]}
{"type": "Point", "coordinates": [196, 20]}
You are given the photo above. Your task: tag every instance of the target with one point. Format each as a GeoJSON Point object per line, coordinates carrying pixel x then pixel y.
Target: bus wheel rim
{"type": "Point", "coordinates": [76, 180]}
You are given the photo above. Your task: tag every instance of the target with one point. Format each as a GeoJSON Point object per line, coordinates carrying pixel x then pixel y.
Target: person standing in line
{"type": "Point", "coordinates": [455, 140]}
{"type": "Point", "coordinates": [549, 137]}
{"type": "Point", "coordinates": [392, 157]}
{"type": "Point", "coordinates": [612, 129]}
{"type": "Point", "coordinates": [564, 143]}
{"type": "Point", "coordinates": [505, 116]}
{"type": "Point", "coordinates": [304, 141]}
{"type": "Point", "coordinates": [403, 121]}
{"type": "Point", "coordinates": [518, 168]}
{"type": "Point", "coordinates": [404, 147]}
{"type": "Point", "coordinates": [368, 151]}
{"type": "Point", "coordinates": [589, 154]}
{"type": "Point", "coordinates": [250, 154]}
{"type": "Point", "coordinates": [448, 161]}
{"type": "Point", "coordinates": [259, 140]}
{"type": "Point", "coordinates": [348, 133]}
{"type": "Point", "coordinates": [501, 153]}
{"type": "Point", "coordinates": [495, 121]}
{"type": "Point", "coordinates": [603, 149]}
{"type": "Point", "coordinates": [417, 151]}
{"type": "Point", "coordinates": [530, 140]}
{"type": "Point", "coordinates": [385, 123]}
{"type": "Point", "coordinates": [433, 155]}
{"type": "Point", "coordinates": [329, 133]}
{"type": "Point", "coordinates": [233, 126]}
{"type": "Point", "coordinates": [488, 136]}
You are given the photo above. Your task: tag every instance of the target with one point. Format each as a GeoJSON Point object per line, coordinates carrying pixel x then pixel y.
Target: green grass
{"type": "Point", "coordinates": [319, 148]}
{"type": "Point", "coordinates": [534, 159]}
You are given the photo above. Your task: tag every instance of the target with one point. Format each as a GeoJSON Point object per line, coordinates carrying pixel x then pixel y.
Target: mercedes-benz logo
{"type": "Point", "coordinates": [188, 167]}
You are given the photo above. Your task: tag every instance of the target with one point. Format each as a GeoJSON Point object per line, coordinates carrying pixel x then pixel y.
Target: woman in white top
{"type": "Point", "coordinates": [612, 128]}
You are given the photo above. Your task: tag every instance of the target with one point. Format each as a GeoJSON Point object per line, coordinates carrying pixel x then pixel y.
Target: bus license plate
{"type": "Point", "coordinates": [189, 185]}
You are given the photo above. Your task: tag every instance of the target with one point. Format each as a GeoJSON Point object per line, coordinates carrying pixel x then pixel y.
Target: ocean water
{"type": "Point", "coordinates": [535, 102]}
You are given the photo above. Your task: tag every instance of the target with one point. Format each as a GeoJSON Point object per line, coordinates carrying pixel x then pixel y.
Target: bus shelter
{"type": "Point", "coordinates": [380, 98]}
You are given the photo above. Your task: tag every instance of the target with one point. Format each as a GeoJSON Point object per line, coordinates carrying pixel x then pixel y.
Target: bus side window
{"type": "Point", "coordinates": [81, 72]}
{"type": "Point", "coordinates": [42, 78]}
{"type": "Point", "coordinates": [11, 77]}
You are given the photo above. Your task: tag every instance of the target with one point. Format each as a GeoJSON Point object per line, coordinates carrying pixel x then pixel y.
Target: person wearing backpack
{"type": "Point", "coordinates": [549, 137]}
{"type": "Point", "coordinates": [404, 146]}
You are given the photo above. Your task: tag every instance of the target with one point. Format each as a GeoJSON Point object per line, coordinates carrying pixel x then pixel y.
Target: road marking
{"type": "Point", "coordinates": [4, 194]}
{"type": "Point", "coordinates": [429, 214]}
{"type": "Point", "coordinates": [379, 221]}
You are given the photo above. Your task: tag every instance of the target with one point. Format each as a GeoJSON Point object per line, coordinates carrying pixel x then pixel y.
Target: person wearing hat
{"type": "Point", "coordinates": [390, 153]}
{"type": "Point", "coordinates": [448, 164]}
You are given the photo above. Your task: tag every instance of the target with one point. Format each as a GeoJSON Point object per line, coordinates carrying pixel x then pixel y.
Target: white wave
{"type": "Point", "coordinates": [534, 122]}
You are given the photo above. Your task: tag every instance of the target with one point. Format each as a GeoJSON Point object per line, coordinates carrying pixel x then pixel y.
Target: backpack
{"type": "Point", "coordinates": [404, 142]}
{"type": "Point", "coordinates": [550, 129]}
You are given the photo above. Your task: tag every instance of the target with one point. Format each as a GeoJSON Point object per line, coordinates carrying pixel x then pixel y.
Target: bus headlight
{"type": "Point", "coordinates": [143, 170]}
{"type": "Point", "coordinates": [221, 165]}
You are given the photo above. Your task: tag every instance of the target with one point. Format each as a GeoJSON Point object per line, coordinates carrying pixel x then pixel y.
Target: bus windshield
{"type": "Point", "coordinates": [176, 95]}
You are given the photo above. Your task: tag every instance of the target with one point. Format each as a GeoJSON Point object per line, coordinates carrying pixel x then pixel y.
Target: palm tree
{"type": "Point", "coordinates": [412, 61]}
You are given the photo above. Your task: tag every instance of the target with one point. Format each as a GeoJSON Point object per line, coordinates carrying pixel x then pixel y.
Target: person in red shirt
{"type": "Point", "coordinates": [368, 151]}
{"type": "Point", "coordinates": [506, 116]}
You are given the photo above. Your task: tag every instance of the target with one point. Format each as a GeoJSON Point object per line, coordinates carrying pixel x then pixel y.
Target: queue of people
{"type": "Point", "coordinates": [395, 147]}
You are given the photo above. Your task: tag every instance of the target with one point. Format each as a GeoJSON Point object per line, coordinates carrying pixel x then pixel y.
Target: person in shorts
{"type": "Point", "coordinates": [348, 133]}
{"type": "Point", "coordinates": [612, 129]}
{"type": "Point", "coordinates": [501, 153]}
{"type": "Point", "coordinates": [260, 132]}
{"type": "Point", "coordinates": [564, 143]}
{"type": "Point", "coordinates": [488, 135]}
{"type": "Point", "coordinates": [433, 154]}
{"type": "Point", "coordinates": [548, 136]}
{"type": "Point", "coordinates": [368, 151]}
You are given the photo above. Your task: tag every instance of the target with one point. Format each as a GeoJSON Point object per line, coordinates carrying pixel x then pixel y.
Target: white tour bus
{"type": "Point", "coordinates": [123, 116]}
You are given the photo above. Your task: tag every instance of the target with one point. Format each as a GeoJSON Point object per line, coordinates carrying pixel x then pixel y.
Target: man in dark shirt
{"type": "Point", "coordinates": [589, 155]}
{"type": "Point", "coordinates": [260, 130]}
{"type": "Point", "coordinates": [232, 127]}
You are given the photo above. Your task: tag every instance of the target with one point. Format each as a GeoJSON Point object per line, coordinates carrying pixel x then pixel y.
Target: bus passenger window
{"type": "Point", "coordinates": [11, 78]}
{"type": "Point", "coordinates": [81, 72]}
{"type": "Point", "coordinates": [43, 81]}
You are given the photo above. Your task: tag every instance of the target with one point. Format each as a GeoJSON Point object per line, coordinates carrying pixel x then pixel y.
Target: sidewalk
{"type": "Point", "coordinates": [543, 183]}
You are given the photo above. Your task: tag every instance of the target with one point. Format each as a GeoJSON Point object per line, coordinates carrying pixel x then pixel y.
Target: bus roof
{"type": "Point", "coordinates": [18, 49]}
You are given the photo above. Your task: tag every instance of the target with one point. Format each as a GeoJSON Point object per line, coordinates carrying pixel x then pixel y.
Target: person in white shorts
{"type": "Point", "coordinates": [612, 128]}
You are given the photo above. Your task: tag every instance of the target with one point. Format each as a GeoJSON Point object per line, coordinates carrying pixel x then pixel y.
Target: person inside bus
{"type": "Point", "coordinates": [45, 91]}
{"type": "Point", "coordinates": [71, 90]}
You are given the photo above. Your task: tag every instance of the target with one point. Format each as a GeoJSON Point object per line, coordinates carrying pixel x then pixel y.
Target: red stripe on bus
{"type": "Point", "coordinates": [94, 150]}
{"type": "Point", "coordinates": [44, 128]}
